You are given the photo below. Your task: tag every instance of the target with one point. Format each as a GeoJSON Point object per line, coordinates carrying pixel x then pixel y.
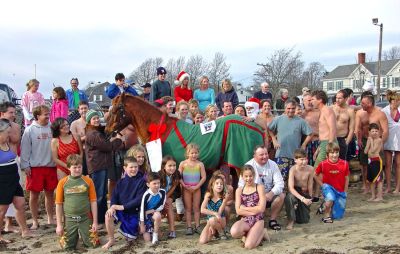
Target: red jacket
{"type": "Point", "coordinates": [183, 94]}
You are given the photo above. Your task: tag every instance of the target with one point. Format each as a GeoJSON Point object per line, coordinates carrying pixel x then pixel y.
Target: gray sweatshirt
{"type": "Point", "coordinates": [35, 146]}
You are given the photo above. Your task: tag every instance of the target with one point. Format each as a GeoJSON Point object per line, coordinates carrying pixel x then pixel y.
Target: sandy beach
{"type": "Point", "coordinates": [368, 227]}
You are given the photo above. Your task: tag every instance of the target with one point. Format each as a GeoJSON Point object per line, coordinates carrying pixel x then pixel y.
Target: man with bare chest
{"type": "Point", "coordinates": [78, 130]}
{"type": "Point", "coordinates": [345, 121]}
{"type": "Point", "coordinates": [326, 123]}
{"type": "Point", "coordinates": [311, 116]}
{"type": "Point", "coordinates": [368, 114]}
{"type": "Point", "coordinates": [7, 111]}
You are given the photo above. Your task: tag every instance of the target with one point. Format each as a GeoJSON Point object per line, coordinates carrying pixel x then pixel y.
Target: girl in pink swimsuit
{"type": "Point", "coordinates": [250, 205]}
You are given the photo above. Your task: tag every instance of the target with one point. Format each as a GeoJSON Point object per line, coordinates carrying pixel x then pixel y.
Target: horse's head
{"type": "Point", "coordinates": [118, 118]}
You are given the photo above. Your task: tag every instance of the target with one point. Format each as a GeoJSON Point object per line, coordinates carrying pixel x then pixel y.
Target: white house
{"type": "Point", "coordinates": [354, 75]}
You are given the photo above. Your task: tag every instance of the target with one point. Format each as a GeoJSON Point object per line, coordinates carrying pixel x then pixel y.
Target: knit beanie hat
{"type": "Point", "coordinates": [181, 76]}
{"type": "Point", "coordinates": [91, 113]}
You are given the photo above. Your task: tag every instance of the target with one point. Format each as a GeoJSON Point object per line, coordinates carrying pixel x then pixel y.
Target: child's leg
{"type": "Point", "coordinates": [170, 215]}
{"type": "Point", "coordinates": [239, 229]}
{"type": "Point", "coordinates": [34, 206]}
{"type": "Point", "coordinates": [227, 217]}
{"type": "Point", "coordinates": [372, 187]}
{"type": "Point", "coordinates": [3, 210]}
{"type": "Point", "coordinates": [205, 235]}
{"type": "Point", "coordinates": [328, 208]}
{"type": "Point", "coordinates": [84, 230]}
{"type": "Point", "coordinates": [71, 233]}
{"type": "Point", "coordinates": [255, 235]}
{"type": "Point", "coordinates": [109, 221]}
{"type": "Point", "coordinates": [379, 195]}
{"type": "Point", "coordinates": [188, 201]}
{"type": "Point", "coordinates": [146, 237]}
{"type": "Point", "coordinates": [290, 207]}
{"type": "Point", "coordinates": [157, 222]}
{"type": "Point", "coordinates": [196, 207]}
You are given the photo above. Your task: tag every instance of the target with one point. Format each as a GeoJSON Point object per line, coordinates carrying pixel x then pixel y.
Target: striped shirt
{"type": "Point", "coordinates": [191, 175]}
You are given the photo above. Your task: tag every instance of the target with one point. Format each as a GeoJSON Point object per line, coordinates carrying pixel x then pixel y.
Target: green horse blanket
{"type": "Point", "coordinates": [231, 143]}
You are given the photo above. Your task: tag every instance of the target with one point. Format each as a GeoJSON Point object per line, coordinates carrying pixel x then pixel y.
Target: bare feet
{"type": "Point", "coordinates": [371, 199]}
{"type": "Point", "coordinates": [290, 225]}
{"type": "Point", "coordinates": [35, 226]}
{"type": "Point", "coordinates": [396, 192]}
{"type": "Point", "coordinates": [28, 234]}
{"type": "Point", "coordinates": [10, 229]}
{"type": "Point", "coordinates": [378, 199]}
{"type": "Point", "coordinates": [4, 241]}
{"type": "Point", "coordinates": [108, 244]}
{"type": "Point", "coordinates": [387, 190]}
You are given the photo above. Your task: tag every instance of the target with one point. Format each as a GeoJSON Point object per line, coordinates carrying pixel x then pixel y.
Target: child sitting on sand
{"type": "Point", "coordinates": [300, 185]}
{"type": "Point", "coordinates": [76, 207]}
{"type": "Point", "coordinates": [153, 202]}
{"type": "Point", "coordinates": [334, 182]}
{"type": "Point", "coordinates": [125, 203]}
{"type": "Point", "coordinates": [374, 172]}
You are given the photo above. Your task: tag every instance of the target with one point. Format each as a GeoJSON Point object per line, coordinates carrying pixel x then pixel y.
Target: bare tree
{"type": "Point", "coordinates": [218, 69]}
{"type": "Point", "coordinates": [392, 53]}
{"type": "Point", "coordinates": [283, 68]}
{"type": "Point", "coordinates": [312, 75]}
{"type": "Point", "coordinates": [196, 66]}
{"type": "Point", "coordinates": [173, 68]}
{"type": "Point", "coordinates": [146, 72]}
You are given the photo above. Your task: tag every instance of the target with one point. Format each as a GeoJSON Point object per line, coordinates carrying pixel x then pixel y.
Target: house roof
{"type": "Point", "coordinates": [343, 71]}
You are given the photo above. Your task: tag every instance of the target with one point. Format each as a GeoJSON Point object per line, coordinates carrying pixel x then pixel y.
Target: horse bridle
{"type": "Point", "coordinates": [120, 110]}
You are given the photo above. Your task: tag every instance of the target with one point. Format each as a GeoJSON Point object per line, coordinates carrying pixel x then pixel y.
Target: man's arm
{"type": "Point", "coordinates": [357, 128]}
{"type": "Point", "coordinates": [351, 126]}
{"type": "Point", "coordinates": [112, 91]}
{"type": "Point", "coordinates": [277, 181]}
{"type": "Point", "coordinates": [383, 121]}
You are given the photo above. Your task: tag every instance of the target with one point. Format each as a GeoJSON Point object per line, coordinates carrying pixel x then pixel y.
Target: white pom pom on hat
{"type": "Point", "coordinates": [181, 76]}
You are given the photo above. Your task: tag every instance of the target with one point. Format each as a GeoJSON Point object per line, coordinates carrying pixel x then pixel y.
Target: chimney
{"type": "Point", "coordinates": [361, 58]}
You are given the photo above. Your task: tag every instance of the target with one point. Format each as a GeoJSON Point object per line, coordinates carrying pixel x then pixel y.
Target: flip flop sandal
{"type": "Point", "coordinates": [274, 225]}
{"type": "Point", "coordinates": [327, 220]}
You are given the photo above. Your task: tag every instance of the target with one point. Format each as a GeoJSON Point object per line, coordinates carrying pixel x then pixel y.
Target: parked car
{"type": "Point", "coordinates": [12, 96]}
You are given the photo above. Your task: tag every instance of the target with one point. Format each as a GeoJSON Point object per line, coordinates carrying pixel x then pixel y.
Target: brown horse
{"type": "Point", "coordinates": [231, 143]}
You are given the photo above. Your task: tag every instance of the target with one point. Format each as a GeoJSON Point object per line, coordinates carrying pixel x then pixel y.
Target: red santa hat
{"type": "Point", "coordinates": [254, 102]}
{"type": "Point", "coordinates": [181, 76]}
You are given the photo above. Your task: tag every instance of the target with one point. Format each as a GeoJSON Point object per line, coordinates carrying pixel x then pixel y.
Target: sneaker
{"type": "Point", "coordinates": [224, 236]}
{"type": "Point", "coordinates": [172, 235]}
{"type": "Point", "coordinates": [189, 231]}
{"type": "Point", "coordinates": [315, 199]}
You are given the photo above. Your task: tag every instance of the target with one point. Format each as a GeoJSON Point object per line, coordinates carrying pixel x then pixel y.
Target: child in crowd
{"type": "Point", "coordinates": [213, 206]}
{"type": "Point", "coordinates": [182, 112]}
{"type": "Point", "coordinates": [153, 202]}
{"type": "Point", "coordinates": [76, 206]}
{"type": "Point", "coordinates": [229, 195]}
{"type": "Point", "coordinates": [250, 204]}
{"type": "Point", "coordinates": [169, 180]}
{"type": "Point", "coordinates": [300, 185]}
{"type": "Point", "coordinates": [139, 153]}
{"type": "Point", "coordinates": [374, 173]}
{"type": "Point", "coordinates": [198, 117]}
{"type": "Point", "coordinates": [193, 176]}
{"type": "Point", "coordinates": [31, 99]}
{"type": "Point", "coordinates": [193, 106]}
{"type": "Point", "coordinates": [211, 113]}
{"type": "Point", "coordinates": [59, 107]}
{"type": "Point", "coordinates": [334, 182]}
{"type": "Point", "coordinates": [125, 203]}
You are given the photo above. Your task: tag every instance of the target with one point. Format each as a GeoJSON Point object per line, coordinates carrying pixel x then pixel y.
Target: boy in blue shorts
{"type": "Point", "coordinates": [153, 202]}
{"type": "Point", "coordinates": [125, 203]}
{"type": "Point", "coordinates": [335, 182]}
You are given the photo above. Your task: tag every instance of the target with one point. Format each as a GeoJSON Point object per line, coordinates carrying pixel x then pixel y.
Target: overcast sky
{"type": "Point", "coordinates": [93, 40]}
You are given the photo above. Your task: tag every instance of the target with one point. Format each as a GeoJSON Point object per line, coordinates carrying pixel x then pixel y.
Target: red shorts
{"type": "Point", "coordinates": [42, 178]}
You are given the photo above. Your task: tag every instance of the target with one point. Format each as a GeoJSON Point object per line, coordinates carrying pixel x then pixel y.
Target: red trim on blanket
{"type": "Point", "coordinates": [225, 135]}
{"type": "Point", "coordinates": [179, 135]}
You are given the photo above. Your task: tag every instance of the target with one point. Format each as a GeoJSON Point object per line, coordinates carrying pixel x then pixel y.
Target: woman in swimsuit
{"type": "Point", "coordinates": [250, 205]}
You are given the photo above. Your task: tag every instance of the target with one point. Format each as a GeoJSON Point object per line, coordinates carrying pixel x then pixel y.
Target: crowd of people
{"type": "Point", "coordinates": [101, 182]}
